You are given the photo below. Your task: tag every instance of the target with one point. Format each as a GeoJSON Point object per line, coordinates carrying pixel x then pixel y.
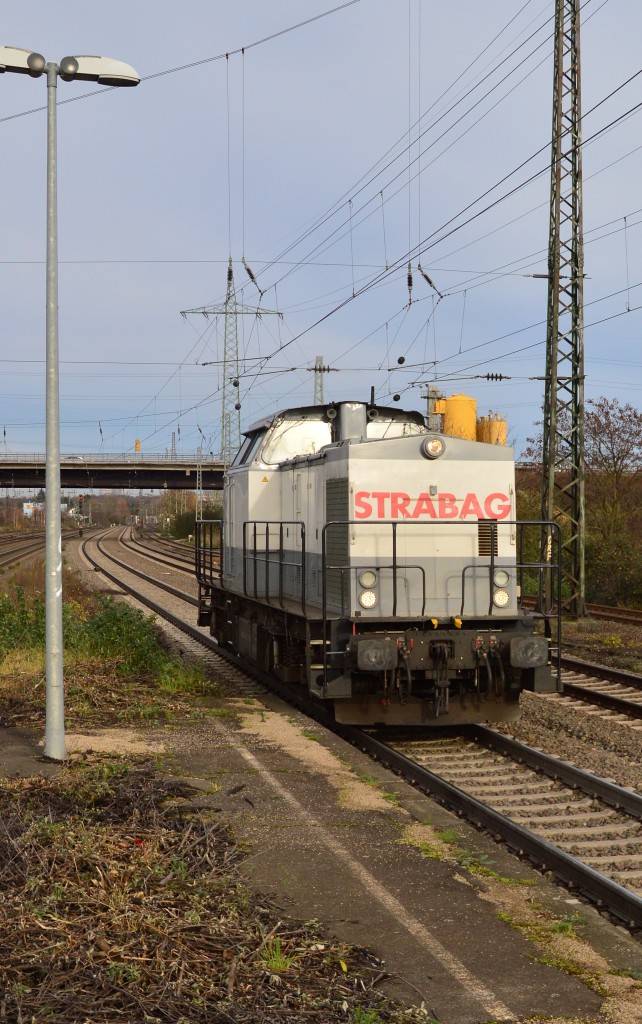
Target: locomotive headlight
{"type": "Point", "coordinates": [432, 447]}
{"type": "Point", "coordinates": [500, 577]}
{"type": "Point", "coordinates": [368, 599]}
{"type": "Point", "coordinates": [501, 598]}
{"type": "Point", "coordinates": [367, 578]}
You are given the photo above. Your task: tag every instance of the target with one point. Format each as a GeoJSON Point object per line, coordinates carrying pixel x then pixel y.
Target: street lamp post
{"type": "Point", "coordinates": [108, 72]}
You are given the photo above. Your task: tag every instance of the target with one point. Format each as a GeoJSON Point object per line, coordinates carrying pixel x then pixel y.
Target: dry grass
{"type": "Point", "coordinates": [122, 900]}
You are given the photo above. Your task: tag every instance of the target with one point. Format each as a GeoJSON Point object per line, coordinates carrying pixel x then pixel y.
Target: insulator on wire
{"type": "Point", "coordinates": [496, 376]}
{"type": "Point", "coordinates": [409, 283]}
{"type": "Point", "coordinates": [251, 276]}
{"type": "Point", "coordinates": [428, 280]}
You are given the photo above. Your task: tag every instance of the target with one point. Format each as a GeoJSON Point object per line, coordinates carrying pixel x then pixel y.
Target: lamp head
{"type": "Point", "coordinates": [24, 62]}
{"type": "Point", "coordinates": [103, 70]}
{"type": "Point", "coordinates": [68, 68]}
{"type": "Point", "coordinates": [36, 64]}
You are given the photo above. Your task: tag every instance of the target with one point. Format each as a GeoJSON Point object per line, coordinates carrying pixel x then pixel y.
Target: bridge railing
{"type": "Point", "coordinates": [126, 458]}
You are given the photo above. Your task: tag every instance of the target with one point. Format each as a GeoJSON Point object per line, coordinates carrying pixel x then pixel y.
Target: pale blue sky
{"type": "Point", "coordinates": [148, 214]}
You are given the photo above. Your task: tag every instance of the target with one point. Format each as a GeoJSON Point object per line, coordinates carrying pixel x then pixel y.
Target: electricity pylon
{"type": "Point", "coordinates": [319, 369]}
{"type": "Point", "coordinates": [231, 310]}
{"type": "Point", "coordinates": [318, 380]}
{"type": "Point", "coordinates": [563, 438]}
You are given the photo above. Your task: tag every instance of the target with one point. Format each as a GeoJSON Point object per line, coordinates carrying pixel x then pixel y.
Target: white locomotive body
{"type": "Point", "coordinates": [379, 564]}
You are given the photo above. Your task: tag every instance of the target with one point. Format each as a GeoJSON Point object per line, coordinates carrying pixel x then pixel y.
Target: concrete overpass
{"type": "Point", "coordinates": [130, 471]}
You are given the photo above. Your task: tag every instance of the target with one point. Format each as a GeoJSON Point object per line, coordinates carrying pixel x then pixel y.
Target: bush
{"type": "Point", "coordinates": [185, 524]}
{"type": "Point", "coordinates": [122, 633]}
{"type": "Point", "coordinates": [115, 632]}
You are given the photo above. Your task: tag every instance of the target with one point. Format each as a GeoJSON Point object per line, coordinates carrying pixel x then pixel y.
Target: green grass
{"type": "Point", "coordinates": [369, 780]}
{"type": "Point", "coordinates": [116, 667]}
{"type": "Point", "coordinates": [274, 958]}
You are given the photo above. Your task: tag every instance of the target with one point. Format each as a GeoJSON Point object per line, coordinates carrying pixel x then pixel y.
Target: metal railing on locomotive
{"type": "Point", "coordinates": [208, 550]}
{"type": "Point", "coordinates": [258, 560]}
{"type": "Point", "coordinates": [274, 568]}
{"type": "Point", "coordinates": [548, 600]}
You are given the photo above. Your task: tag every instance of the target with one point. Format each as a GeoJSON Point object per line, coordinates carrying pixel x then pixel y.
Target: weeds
{"type": "Point", "coordinates": [116, 669]}
{"type": "Point", "coordinates": [274, 958]}
{"type": "Point", "coordinates": [369, 780]}
{"type": "Point", "coordinates": [566, 925]}
{"type": "Point", "coordinates": [361, 1016]}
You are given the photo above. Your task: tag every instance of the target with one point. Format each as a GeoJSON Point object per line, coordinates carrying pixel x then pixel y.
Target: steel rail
{"type": "Point", "coordinates": [157, 556]}
{"type": "Point", "coordinates": [606, 612]}
{"type": "Point", "coordinates": [607, 894]}
{"type": "Point", "coordinates": [23, 549]}
{"type": "Point", "coordinates": [597, 697]}
{"type": "Point", "coordinates": [563, 771]}
{"type": "Point", "coordinates": [613, 675]}
{"type": "Point", "coordinates": [135, 572]}
{"type": "Point", "coordinates": [607, 701]}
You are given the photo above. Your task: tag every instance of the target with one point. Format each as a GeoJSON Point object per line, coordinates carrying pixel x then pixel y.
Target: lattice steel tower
{"type": "Point", "coordinates": [318, 380]}
{"type": "Point", "coordinates": [231, 310]}
{"type": "Point", "coordinates": [563, 441]}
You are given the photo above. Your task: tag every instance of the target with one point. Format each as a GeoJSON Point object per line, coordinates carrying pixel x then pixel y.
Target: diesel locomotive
{"type": "Point", "coordinates": [379, 564]}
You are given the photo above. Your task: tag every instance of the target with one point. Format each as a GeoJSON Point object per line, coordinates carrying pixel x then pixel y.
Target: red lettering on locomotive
{"type": "Point", "coordinates": [399, 505]}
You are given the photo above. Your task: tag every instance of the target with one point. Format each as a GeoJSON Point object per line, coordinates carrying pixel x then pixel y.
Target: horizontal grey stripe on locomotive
{"type": "Point", "coordinates": [443, 585]}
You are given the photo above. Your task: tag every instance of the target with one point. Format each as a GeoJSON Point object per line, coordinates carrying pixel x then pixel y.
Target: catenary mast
{"type": "Point", "coordinates": [563, 437]}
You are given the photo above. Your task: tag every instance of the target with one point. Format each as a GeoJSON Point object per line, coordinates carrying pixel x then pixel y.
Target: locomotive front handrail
{"type": "Point", "coordinates": [542, 567]}
{"type": "Point", "coordinates": [548, 568]}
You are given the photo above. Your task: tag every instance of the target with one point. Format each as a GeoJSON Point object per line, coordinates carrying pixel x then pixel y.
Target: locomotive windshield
{"type": "Point", "coordinates": [381, 428]}
{"type": "Point", "coordinates": [305, 431]}
{"type": "Point", "coordinates": [290, 438]}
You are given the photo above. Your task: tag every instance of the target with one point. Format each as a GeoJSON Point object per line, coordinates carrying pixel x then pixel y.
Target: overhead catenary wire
{"type": "Point", "coordinates": [367, 202]}
{"type": "Point", "coordinates": [361, 184]}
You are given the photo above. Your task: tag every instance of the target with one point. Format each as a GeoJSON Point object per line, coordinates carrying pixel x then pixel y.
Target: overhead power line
{"type": "Point", "coordinates": [196, 63]}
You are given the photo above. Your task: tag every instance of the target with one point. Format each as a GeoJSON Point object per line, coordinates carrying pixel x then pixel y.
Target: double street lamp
{"type": "Point", "coordinates": [108, 72]}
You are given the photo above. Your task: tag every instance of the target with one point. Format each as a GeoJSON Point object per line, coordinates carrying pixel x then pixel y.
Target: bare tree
{"type": "Point", "coordinates": [613, 492]}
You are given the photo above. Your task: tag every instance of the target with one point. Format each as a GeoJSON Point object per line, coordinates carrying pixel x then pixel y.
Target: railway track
{"type": "Point", "coordinates": [614, 689]}
{"type": "Point", "coordinates": [626, 615]}
{"type": "Point", "coordinates": [15, 548]}
{"type": "Point", "coordinates": [585, 830]}
{"type": "Point", "coordinates": [197, 641]}
{"type": "Point", "coordinates": [172, 560]}
{"type": "Point", "coordinates": [165, 546]}
{"type": "Point", "coordinates": [189, 599]}
{"type": "Point", "coordinates": [631, 616]}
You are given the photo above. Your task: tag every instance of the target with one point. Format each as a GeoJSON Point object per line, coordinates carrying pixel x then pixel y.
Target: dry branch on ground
{"type": "Point", "coordinates": [121, 902]}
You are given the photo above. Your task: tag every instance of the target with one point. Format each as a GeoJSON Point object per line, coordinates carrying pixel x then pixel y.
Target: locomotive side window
{"type": "Point", "coordinates": [249, 448]}
{"type": "Point", "coordinates": [290, 438]}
